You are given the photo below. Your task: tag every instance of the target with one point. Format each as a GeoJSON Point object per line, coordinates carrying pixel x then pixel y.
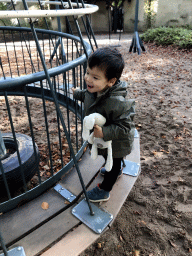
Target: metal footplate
{"type": "Point", "coordinates": [98, 222]}
{"type": "Point", "coordinates": [131, 168]}
{"type": "Point", "coordinates": [64, 193]}
{"type": "Point", "coordinates": [18, 251]}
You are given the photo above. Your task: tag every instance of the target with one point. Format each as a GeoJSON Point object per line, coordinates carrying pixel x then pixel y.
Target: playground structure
{"type": "Point", "coordinates": [38, 67]}
{"type": "Point", "coordinates": [39, 63]}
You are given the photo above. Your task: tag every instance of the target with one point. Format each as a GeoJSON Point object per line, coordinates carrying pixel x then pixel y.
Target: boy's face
{"type": "Point", "coordinates": [96, 80]}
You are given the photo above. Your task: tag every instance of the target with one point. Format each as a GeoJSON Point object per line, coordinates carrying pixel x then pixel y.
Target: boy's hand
{"type": "Point", "coordinates": [73, 89]}
{"type": "Point", "coordinates": [98, 132]}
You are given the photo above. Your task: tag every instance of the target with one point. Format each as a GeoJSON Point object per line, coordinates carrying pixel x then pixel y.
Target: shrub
{"type": "Point", "coordinates": [180, 37]}
{"type": "Point", "coordinates": [3, 6]}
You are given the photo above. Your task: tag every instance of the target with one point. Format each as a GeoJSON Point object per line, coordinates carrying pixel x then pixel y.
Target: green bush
{"type": "Point", "coordinates": [3, 6]}
{"type": "Point", "coordinates": [180, 37]}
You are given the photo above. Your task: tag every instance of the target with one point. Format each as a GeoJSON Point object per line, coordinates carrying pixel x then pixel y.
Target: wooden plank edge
{"type": "Point", "coordinates": [9, 221]}
{"type": "Point", "coordinates": [73, 243]}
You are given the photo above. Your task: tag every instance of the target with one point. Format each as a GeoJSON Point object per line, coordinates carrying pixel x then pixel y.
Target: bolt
{"type": "Point", "coordinates": [135, 174]}
{"type": "Point", "coordinates": [99, 230]}
{"type": "Point", "coordinates": [68, 198]}
{"type": "Point", "coordinates": [19, 248]}
{"type": "Point", "coordinates": [59, 190]}
{"type": "Point", "coordinates": [71, 195]}
{"type": "Point", "coordinates": [74, 210]}
{"type": "Point", "coordinates": [62, 188]}
{"type": "Point", "coordinates": [111, 216]}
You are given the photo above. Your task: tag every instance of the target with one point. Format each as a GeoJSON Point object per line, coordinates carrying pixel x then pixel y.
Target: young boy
{"type": "Point", "coordinates": [106, 94]}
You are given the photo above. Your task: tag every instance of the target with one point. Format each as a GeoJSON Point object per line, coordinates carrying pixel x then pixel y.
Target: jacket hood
{"type": "Point", "coordinates": [118, 89]}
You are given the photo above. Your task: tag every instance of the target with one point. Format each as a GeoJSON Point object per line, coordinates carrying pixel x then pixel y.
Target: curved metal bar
{"type": "Point", "coordinates": [38, 76]}
{"type": "Point", "coordinates": [49, 13]}
{"type": "Point", "coordinates": [35, 192]}
{"type": "Point", "coordinates": [19, 86]}
{"type": "Point", "coordinates": [38, 190]}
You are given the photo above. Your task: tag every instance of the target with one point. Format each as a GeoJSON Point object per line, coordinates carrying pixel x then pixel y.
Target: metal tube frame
{"type": "Point", "coordinates": [47, 76]}
{"type": "Point", "coordinates": [136, 44]}
{"type": "Point", "coordinates": [18, 87]}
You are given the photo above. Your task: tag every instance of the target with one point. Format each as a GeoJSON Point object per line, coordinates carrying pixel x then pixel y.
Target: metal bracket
{"type": "Point", "coordinates": [97, 222]}
{"type": "Point", "coordinates": [131, 168]}
{"type": "Point", "coordinates": [64, 193]}
{"type": "Point", "coordinates": [18, 251]}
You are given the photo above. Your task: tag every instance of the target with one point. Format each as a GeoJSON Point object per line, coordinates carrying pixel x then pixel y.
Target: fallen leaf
{"type": "Point", "coordinates": [174, 245]}
{"type": "Point", "coordinates": [136, 253]}
{"type": "Point", "coordinates": [46, 167]}
{"type": "Point", "coordinates": [180, 179]}
{"type": "Point", "coordinates": [136, 212]}
{"type": "Point", "coordinates": [44, 205]}
{"type": "Point", "coordinates": [48, 174]}
{"type": "Point", "coordinates": [99, 245]}
{"type": "Point", "coordinates": [121, 238]}
{"type": "Point", "coordinates": [142, 222]}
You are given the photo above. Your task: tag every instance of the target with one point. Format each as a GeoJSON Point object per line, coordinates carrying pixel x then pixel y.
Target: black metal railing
{"type": "Point", "coordinates": [3, 245]}
{"type": "Point", "coordinates": [40, 147]}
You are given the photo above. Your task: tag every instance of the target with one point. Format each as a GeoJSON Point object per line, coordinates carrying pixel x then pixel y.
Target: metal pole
{"type": "Point", "coordinates": [136, 16]}
{"type": "Point", "coordinates": [89, 24]}
{"type": "Point", "coordinates": [136, 43]}
{"type": "Point", "coordinates": [58, 108]}
{"type": "Point", "coordinates": [2, 147]}
{"type": "Point", "coordinates": [3, 246]}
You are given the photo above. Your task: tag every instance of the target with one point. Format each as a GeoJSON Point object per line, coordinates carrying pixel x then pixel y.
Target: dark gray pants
{"type": "Point", "coordinates": [111, 177]}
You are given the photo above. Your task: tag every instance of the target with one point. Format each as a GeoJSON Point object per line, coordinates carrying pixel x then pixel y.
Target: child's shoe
{"type": "Point", "coordinates": [103, 170]}
{"type": "Point", "coordinates": [98, 195]}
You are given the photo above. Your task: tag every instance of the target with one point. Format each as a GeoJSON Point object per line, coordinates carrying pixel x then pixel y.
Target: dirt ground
{"type": "Point", "coordinates": [156, 218]}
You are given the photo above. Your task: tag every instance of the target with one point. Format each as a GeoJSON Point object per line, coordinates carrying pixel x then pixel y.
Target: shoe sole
{"type": "Point", "coordinates": [99, 200]}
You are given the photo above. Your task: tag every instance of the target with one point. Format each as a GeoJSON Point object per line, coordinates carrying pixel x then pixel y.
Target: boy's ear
{"type": "Point", "coordinates": [112, 81]}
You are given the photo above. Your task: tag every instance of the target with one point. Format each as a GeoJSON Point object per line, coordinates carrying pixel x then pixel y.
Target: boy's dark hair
{"type": "Point", "coordinates": [108, 59]}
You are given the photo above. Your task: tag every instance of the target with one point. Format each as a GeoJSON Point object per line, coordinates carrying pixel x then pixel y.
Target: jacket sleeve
{"type": "Point", "coordinates": [79, 94]}
{"type": "Point", "coordinates": [120, 115]}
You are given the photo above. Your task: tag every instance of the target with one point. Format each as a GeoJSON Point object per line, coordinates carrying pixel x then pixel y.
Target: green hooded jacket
{"type": "Point", "coordinates": [118, 111]}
